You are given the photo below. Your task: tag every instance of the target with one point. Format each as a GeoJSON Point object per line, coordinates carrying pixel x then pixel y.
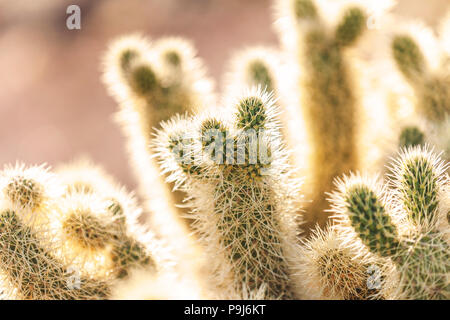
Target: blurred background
{"type": "Point", "coordinates": [53, 106]}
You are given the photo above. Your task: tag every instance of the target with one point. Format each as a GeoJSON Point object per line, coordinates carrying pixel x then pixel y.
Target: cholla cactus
{"type": "Point", "coordinates": [256, 66]}
{"type": "Point", "coordinates": [422, 59]}
{"type": "Point", "coordinates": [32, 272]}
{"type": "Point", "coordinates": [418, 178]}
{"type": "Point", "coordinates": [72, 235]}
{"type": "Point", "coordinates": [332, 267]}
{"type": "Point", "coordinates": [431, 87]}
{"type": "Point", "coordinates": [152, 82]}
{"type": "Point", "coordinates": [85, 228]}
{"type": "Point", "coordinates": [97, 223]}
{"type": "Point", "coordinates": [264, 67]}
{"type": "Point", "coordinates": [400, 225]}
{"type": "Point", "coordinates": [329, 99]}
{"type": "Point", "coordinates": [29, 267]}
{"type": "Point", "coordinates": [242, 205]}
{"type": "Point", "coordinates": [160, 79]}
{"type": "Point", "coordinates": [28, 189]}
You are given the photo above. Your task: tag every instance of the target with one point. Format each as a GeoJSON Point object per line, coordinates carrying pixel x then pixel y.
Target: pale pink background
{"type": "Point", "coordinates": [53, 106]}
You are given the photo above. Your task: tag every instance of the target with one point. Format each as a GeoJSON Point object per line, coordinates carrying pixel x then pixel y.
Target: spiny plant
{"type": "Point", "coordinates": [264, 67]}
{"type": "Point", "coordinates": [71, 236]}
{"type": "Point", "coordinates": [160, 79]}
{"type": "Point", "coordinates": [331, 267]}
{"type": "Point", "coordinates": [243, 203]}
{"type": "Point", "coordinates": [431, 88]}
{"type": "Point", "coordinates": [152, 82]}
{"type": "Point", "coordinates": [98, 223]}
{"type": "Point", "coordinates": [399, 222]}
{"type": "Point", "coordinates": [329, 100]}
{"type": "Point", "coordinates": [422, 59]}
{"type": "Point", "coordinates": [30, 269]}
{"type": "Point", "coordinates": [254, 66]}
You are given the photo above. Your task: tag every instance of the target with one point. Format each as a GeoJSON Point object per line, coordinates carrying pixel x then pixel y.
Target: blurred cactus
{"type": "Point", "coordinates": [255, 66]}
{"type": "Point", "coordinates": [152, 82]}
{"type": "Point", "coordinates": [431, 89]}
{"type": "Point", "coordinates": [70, 236]}
{"type": "Point", "coordinates": [329, 99]}
{"type": "Point", "coordinates": [411, 136]}
{"type": "Point", "coordinates": [422, 59]}
{"type": "Point", "coordinates": [242, 202]}
{"type": "Point", "coordinates": [400, 223]}
{"type": "Point", "coordinates": [98, 223]}
{"type": "Point", "coordinates": [29, 266]}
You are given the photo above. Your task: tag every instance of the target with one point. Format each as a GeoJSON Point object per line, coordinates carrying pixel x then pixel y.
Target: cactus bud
{"type": "Point", "coordinates": [360, 199]}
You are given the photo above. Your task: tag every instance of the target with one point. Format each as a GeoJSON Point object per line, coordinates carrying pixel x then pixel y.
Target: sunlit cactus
{"type": "Point", "coordinates": [28, 189]}
{"type": "Point", "coordinates": [152, 82]}
{"type": "Point", "coordinates": [255, 66]}
{"type": "Point", "coordinates": [359, 202]}
{"type": "Point", "coordinates": [30, 270]}
{"type": "Point", "coordinates": [160, 79]}
{"type": "Point", "coordinates": [431, 86]}
{"type": "Point", "coordinates": [329, 96]}
{"type": "Point", "coordinates": [82, 176]}
{"type": "Point", "coordinates": [223, 214]}
{"type": "Point", "coordinates": [242, 205]}
{"type": "Point", "coordinates": [421, 57]}
{"type": "Point", "coordinates": [97, 222]}
{"type": "Point", "coordinates": [265, 67]}
{"type": "Point", "coordinates": [85, 229]}
{"type": "Point", "coordinates": [333, 268]}
{"type": "Point", "coordinates": [418, 176]}
{"type": "Point", "coordinates": [399, 223]}
{"type": "Point", "coordinates": [30, 266]}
